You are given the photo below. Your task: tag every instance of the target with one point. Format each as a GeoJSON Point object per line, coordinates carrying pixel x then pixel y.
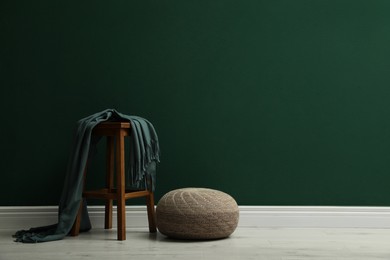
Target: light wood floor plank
{"type": "Point", "coordinates": [245, 243]}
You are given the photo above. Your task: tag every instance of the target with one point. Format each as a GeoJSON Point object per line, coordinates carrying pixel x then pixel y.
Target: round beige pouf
{"type": "Point", "coordinates": [197, 213]}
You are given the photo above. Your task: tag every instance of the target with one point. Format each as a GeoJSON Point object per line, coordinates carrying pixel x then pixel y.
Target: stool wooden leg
{"type": "Point", "coordinates": [109, 181]}
{"type": "Point", "coordinates": [151, 212]}
{"type": "Point", "coordinates": [76, 225]}
{"type": "Point", "coordinates": [120, 172]}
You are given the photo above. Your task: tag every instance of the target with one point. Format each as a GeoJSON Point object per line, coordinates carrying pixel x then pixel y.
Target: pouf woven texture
{"type": "Point", "coordinates": [197, 213]}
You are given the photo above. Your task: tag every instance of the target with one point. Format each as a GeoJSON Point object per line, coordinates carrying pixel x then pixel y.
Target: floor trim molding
{"type": "Point", "coordinates": [315, 216]}
{"type": "Point", "coordinates": [250, 216]}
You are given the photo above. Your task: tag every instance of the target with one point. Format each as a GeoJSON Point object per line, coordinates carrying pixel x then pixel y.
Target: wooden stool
{"type": "Point", "coordinates": [116, 132]}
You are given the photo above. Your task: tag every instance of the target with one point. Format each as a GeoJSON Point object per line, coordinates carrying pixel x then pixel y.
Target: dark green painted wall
{"type": "Point", "coordinates": [275, 102]}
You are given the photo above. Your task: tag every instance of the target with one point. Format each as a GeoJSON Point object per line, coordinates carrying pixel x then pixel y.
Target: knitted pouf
{"type": "Point", "coordinates": [197, 213]}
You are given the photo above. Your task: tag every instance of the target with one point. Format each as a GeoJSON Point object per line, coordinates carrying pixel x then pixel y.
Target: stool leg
{"type": "Point", "coordinates": [109, 181]}
{"type": "Point", "coordinates": [76, 225]}
{"type": "Point", "coordinates": [120, 172]}
{"type": "Point", "coordinates": [151, 212]}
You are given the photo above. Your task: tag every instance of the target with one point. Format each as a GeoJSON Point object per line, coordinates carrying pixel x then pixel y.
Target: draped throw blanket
{"type": "Point", "coordinates": [143, 156]}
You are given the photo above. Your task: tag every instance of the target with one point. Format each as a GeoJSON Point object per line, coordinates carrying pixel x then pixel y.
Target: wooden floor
{"type": "Point", "coordinates": [244, 244]}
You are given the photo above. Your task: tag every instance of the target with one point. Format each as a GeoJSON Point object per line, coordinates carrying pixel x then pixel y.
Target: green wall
{"type": "Point", "coordinates": [275, 102]}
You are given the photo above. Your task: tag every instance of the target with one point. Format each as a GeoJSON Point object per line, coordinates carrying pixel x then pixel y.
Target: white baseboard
{"type": "Point", "coordinates": [314, 216]}
{"type": "Point", "coordinates": [250, 216]}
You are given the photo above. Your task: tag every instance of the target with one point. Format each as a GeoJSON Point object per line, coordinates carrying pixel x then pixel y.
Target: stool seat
{"type": "Point", "coordinates": [115, 157]}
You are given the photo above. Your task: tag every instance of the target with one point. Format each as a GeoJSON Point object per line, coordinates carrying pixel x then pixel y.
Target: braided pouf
{"type": "Point", "coordinates": [197, 213]}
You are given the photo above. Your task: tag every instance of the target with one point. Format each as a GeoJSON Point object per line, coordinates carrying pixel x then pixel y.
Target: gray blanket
{"type": "Point", "coordinates": [143, 155]}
